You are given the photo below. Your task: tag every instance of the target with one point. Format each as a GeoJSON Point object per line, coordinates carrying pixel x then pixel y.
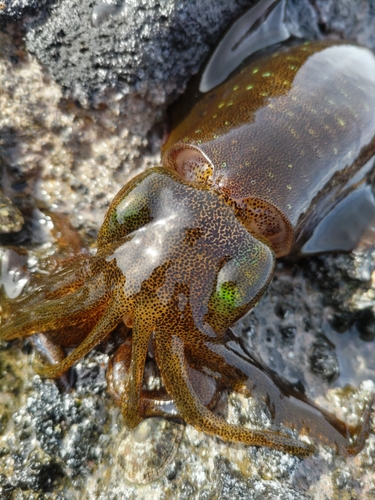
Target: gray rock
{"type": "Point", "coordinates": [14, 10]}
{"type": "Point", "coordinates": [149, 48]}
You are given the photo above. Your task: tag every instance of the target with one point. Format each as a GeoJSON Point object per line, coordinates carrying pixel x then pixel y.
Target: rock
{"type": "Point", "coordinates": [12, 11]}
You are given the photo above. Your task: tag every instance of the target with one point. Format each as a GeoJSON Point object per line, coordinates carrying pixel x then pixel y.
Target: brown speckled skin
{"type": "Point", "coordinates": [188, 248]}
{"type": "Point", "coordinates": [287, 127]}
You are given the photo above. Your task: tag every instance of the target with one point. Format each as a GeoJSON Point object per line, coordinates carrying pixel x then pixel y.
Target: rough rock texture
{"type": "Point", "coordinates": [72, 132]}
{"type": "Point", "coordinates": [91, 47]}
{"type": "Point", "coordinates": [13, 10]}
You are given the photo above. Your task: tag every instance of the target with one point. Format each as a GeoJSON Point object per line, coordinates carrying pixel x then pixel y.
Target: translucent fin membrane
{"type": "Point", "coordinates": [343, 228]}
{"type": "Point", "coordinates": [260, 27]}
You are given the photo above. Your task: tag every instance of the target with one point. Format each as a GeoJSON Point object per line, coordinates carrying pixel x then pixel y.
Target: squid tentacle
{"type": "Point", "coordinates": [131, 403]}
{"type": "Point", "coordinates": [170, 353]}
{"type": "Point", "coordinates": [104, 326]}
{"type": "Point", "coordinates": [241, 372]}
{"type": "Point", "coordinates": [50, 314]}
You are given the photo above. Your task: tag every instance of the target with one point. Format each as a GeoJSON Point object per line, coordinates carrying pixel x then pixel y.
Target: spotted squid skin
{"type": "Point", "coordinates": [287, 129]}
{"type": "Point", "coordinates": [188, 248]}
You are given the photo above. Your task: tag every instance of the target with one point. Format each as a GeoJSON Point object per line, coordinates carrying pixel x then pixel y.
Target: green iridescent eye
{"type": "Point", "coordinates": [133, 212]}
{"type": "Point", "coordinates": [129, 211]}
{"type": "Point", "coordinates": [226, 298]}
{"type": "Point", "coordinates": [239, 283]}
{"type": "Point", "coordinates": [130, 214]}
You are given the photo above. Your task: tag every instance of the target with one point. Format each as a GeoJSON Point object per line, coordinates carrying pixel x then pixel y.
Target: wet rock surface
{"type": "Point", "coordinates": [73, 130]}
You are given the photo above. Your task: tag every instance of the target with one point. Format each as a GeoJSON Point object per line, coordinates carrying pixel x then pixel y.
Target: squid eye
{"type": "Point", "coordinates": [190, 164]}
{"type": "Point", "coordinates": [226, 297]}
{"type": "Point", "coordinates": [240, 282]}
{"type": "Point", "coordinates": [129, 211]}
